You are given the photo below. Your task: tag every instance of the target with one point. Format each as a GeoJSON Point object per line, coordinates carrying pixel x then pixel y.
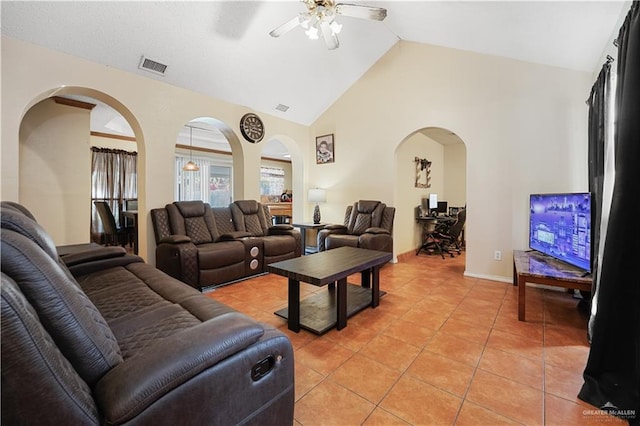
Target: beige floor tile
{"type": "Point", "coordinates": [366, 377]}
{"type": "Point", "coordinates": [323, 356]}
{"type": "Point", "coordinates": [507, 398]}
{"type": "Point", "coordinates": [441, 372]}
{"type": "Point", "coordinates": [474, 415]}
{"type": "Point", "coordinates": [513, 367]}
{"type": "Point", "coordinates": [391, 352]}
{"type": "Point", "coordinates": [331, 404]}
{"type": "Point", "coordinates": [380, 417]}
{"type": "Point", "coordinates": [455, 348]}
{"type": "Point", "coordinates": [419, 403]}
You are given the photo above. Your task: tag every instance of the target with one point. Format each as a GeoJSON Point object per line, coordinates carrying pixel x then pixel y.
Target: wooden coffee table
{"type": "Point", "coordinates": [321, 312]}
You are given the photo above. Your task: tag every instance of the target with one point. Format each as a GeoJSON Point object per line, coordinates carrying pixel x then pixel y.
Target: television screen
{"type": "Point", "coordinates": [560, 226]}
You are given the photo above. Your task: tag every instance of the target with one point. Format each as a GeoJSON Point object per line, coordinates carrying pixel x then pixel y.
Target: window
{"type": "Point", "coordinates": [271, 181]}
{"type": "Point", "coordinates": [212, 183]}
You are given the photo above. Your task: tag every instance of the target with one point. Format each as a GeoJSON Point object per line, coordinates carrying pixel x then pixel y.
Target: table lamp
{"type": "Point", "coordinates": [317, 195]}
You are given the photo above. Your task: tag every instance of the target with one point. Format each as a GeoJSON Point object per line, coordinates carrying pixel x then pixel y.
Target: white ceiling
{"type": "Point", "coordinates": [222, 48]}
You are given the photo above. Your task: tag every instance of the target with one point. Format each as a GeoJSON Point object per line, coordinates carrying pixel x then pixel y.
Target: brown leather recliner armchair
{"type": "Point", "coordinates": [367, 224]}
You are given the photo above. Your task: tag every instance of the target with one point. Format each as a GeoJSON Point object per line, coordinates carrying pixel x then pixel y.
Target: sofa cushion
{"type": "Point", "coordinates": [224, 253]}
{"type": "Point", "coordinates": [71, 319]}
{"type": "Point", "coordinates": [277, 245]}
{"type": "Point", "coordinates": [249, 216]}
{"type": "Point", "coordinates": [22, 224]}
{"type": "Point", "coordinates": [36, 377]}
{"type": "Point", "coordinates": [341, 240]}
{"type": "Point", "coordinates": [365, 214]}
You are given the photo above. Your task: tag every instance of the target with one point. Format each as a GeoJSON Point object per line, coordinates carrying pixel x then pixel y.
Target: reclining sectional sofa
{"type": "Point", "coordinates": [100, 337]}
{"type": "Point", "coordinates": [206, 247]}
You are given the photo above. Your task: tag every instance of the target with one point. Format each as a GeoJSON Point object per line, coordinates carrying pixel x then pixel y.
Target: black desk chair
{"type": "Point", "coordinates": [113, 235]}
{"type": "Point", "coordinates": [451, 237]}
{"type": "Point", "coordinates": [431, 238]}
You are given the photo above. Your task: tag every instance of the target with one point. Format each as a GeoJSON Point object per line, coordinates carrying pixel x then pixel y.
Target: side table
{"type": "Point", "coordinates": [303, 230]}
{"type": "Point", "coordinates": [537, 268]}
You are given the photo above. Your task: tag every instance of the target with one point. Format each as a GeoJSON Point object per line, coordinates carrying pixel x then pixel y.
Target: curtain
{"type": "Point", "coordinates": [114, 179]}
{"type": "Point", "coordinates": [612, 374]}
{"type": "Point", "coordinates": [598, 126]}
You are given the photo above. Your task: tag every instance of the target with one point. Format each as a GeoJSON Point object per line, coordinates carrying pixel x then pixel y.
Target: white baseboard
{"type": "Point", "coordinates": [489, 277]}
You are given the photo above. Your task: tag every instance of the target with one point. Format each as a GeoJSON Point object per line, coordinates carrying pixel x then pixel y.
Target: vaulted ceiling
{"type": "Point", "coordinates": [223, 48]}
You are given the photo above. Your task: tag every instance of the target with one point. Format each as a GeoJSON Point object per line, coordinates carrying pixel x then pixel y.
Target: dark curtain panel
{"type": "Point", "coordinates": [612, 374]}
{"type": "Point", "coordinates": [598, 113]}
{"type": "Point", "coordinates": [114, 179]}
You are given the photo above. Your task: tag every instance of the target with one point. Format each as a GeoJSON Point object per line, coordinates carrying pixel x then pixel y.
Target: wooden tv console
{"type": "Point", "coordinates": [537, 268]}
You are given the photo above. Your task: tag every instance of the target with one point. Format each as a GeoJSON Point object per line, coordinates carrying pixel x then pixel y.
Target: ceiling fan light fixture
{"type": "Point", "coordinates": [335, 27]}
{"type": "Point", "coordinates": [312, 33]}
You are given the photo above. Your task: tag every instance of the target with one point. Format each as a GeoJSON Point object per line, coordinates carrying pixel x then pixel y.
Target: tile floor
{"type": "Point", "coordinates": [440, 349]}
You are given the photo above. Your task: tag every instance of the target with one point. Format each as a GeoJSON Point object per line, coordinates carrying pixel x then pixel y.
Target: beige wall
{"type": "Point", "coordinates": [407, 233]}
{"type": "Point", "coordinates": [455, 175]}
{"type": "Point", "coordinates": [519, 122]}
{"type": "Point", "coordinates": [55, 170]}
{"type": "Point", "coordinates": [156, 111]}
{"type": "Point", "coordinates": [524, 127]}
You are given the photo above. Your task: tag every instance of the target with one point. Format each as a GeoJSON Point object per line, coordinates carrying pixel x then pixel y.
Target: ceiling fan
{"type": "Point", "coordinates": [320, 18]}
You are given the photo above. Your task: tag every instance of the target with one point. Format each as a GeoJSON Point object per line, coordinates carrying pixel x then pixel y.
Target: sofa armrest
{"type": "Point", "coordinates": [336, 227]}
{"type": "Point", "coordinates": [89, 255]}
{"type": "Point", "coordinates": [236, 235]}
{"type": "Point", "coordinates": [102, 264]}
{"type": "Point", "coordinates": [282, 230]}
{"type": "Point", "coordinates": [175, 239]}
{"type": "Point", "coordinates": [326, 231]}
{"type": "Point", "coordinates": [377, 231]}
{"type": "Point", "coordinates": [140, 381]}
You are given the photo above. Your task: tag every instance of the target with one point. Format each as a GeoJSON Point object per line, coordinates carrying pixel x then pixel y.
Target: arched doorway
{"type": "Point", "coordinates": [55, 138]}
{"type": "Point", "coordinates": [276, 180]}
{"type": "Point", "coordinates": [447, 153]}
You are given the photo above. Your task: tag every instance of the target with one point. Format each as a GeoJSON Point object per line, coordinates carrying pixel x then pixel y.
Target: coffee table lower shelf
{"type": "Point", "coordinates": [319, 313]}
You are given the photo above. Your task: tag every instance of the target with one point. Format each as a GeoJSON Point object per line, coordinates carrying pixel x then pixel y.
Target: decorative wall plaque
{"type": "Point", "coordinates": [423, 171]}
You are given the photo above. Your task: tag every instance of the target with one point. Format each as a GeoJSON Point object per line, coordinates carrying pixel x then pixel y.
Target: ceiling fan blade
{"type": "Point", "coordinates": [330, 39]}
{"type": "Point", "coordinates": [286, 27]}
{"type": "Point", "coordinates": [364, 12]}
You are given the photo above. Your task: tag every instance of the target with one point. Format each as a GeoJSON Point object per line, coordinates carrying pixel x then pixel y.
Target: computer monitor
{"type": "Point", "coordinates": [433, 201]}
{"type": "Point", "coordinates": [442, 207]}
{"type": "Point", "coordinates": [424, 207]}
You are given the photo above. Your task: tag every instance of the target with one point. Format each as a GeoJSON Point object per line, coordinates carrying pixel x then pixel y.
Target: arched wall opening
{"type": "Point", "coordinates": [54, 162]}
{"type": "Point", "coordinates": [297, 173]}
{"type": "Point", "coordinates": [448, 156]}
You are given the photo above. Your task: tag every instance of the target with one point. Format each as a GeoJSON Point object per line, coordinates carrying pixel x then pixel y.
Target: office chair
{"type": "Point", "coordinates": [113, 235]}
{"type": "Point", "coordinates": [451, 238]}
{"type": "Point", "coordinates": [431, 238]}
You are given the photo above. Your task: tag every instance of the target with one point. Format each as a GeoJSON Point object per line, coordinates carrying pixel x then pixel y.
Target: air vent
{"type": "Point", "coordinates": [282, 108]}
{"type": "Point", "coordinates": [152, 66]}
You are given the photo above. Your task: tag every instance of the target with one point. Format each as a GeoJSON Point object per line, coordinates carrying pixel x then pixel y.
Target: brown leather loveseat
{"type": "Point", "coordinates": [204, 246]}
{"type": "Point", "coordinates": [367, 224]}
{"type": "Point", "coordinates": [100, 337]}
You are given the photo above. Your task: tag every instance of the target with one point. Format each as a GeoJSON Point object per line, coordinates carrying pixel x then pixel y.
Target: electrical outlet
{"type": "Point", "coordinates": [497, 255]}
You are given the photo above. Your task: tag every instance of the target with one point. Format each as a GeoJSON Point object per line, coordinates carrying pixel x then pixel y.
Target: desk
{"type": "Point", "coordinates": [303, 231]}
{"type": "Point", "coordinates": [324, 310]}
{"type": "Point", "coordinates": [534, 267]}
{"type": "Point", "coordinates": [133, 215]}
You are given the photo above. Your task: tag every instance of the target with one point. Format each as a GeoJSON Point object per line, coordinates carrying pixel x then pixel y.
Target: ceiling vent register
{"type": "Point", "coordinates": [152, 66]}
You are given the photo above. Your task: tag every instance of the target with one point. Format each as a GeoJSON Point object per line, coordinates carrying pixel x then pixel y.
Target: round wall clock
{"type": "Point", "coordinates": [252, 128]}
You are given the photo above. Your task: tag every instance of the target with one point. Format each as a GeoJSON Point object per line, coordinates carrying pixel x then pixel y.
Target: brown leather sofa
{"type": "Point", "coordinates": [206, 247]}
{"type": "Point", "coordinates": [112, 340]}
{"type": "Point", "coordinates": [367, 224]}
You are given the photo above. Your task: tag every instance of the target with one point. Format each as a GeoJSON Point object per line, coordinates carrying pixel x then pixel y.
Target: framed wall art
{"type": "Point", "coordinates": [325, 149]}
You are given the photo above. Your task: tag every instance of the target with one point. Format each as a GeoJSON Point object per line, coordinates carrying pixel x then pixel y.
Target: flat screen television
{"type": "Point", "coordinates": [560, 226]}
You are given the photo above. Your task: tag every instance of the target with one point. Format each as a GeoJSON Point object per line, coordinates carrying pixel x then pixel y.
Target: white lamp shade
{"type": "Point", "coordinates": [317, 195]}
